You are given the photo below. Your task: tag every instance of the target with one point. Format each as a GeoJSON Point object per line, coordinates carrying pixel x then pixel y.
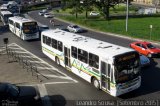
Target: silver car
{"type": "Point", "coordinates": [74, 28]}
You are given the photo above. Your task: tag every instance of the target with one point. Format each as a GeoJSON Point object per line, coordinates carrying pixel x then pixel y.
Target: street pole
{"type": "Point", "coordinates": [127, 16]}
{"type": "Point", "coordinates": [150, 31]}
{"type": "Point", "coordinates": [19, 9]}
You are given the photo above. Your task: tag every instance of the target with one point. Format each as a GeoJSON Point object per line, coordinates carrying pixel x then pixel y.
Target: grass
{"type": "Point", "coordinates": [137, 27]}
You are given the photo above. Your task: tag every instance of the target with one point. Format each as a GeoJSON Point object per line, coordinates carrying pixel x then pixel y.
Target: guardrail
{"type": "Point", "coordinates": [26, 64]}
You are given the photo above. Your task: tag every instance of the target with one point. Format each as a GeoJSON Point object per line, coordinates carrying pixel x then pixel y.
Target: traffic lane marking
{"type": "Point", "coordinates": [53, 68]}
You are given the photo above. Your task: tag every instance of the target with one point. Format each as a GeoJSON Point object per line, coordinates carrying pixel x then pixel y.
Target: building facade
{"type": "Point", "coordinates": [147, 2]}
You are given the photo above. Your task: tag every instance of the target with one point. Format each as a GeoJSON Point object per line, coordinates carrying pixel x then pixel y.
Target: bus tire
{"type": "Point", "coordinates": [57, 60]}
{"type": "Point", "coordinates": [95, 83]}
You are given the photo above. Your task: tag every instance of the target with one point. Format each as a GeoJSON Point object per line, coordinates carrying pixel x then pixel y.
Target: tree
{"type": "Point", "coordinates": [74, 5]}
{"type": "Point", "coordinates": [105, 5]}
{"type": "Point", "coordinates": [87, 5]}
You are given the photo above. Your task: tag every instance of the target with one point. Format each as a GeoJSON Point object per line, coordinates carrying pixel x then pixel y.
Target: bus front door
{"type": "Point", "coordinates": [105, 76]}
{"type": "Point", "coordinates": [67, 57]}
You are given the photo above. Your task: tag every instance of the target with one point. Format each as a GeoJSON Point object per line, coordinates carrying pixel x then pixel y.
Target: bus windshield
{"type": "Point", "coordinates": [127, 67]}
{"type": "Point", "coordinates": [30, 27]}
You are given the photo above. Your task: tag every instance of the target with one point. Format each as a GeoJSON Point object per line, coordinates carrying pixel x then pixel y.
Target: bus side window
{"type": "Point", "coordinates": [10, 22]}
{"type": "Point", "coordinates": [83, 55]}
{"type": "Point", "coordinates": [93, 60]}
{"type": "Point", "coordinates": [44, 39]}
{"type": "Point", "coordinates": [112, 76]}
{"type": "Point", "coordinates": [48, 41]}
{"type": "Point", "coordinates": [17, 25]}
{"type": "Point", "coordinates": [109, 70]}
{"type": "Point", "coordinates": [74, 52]}
{"type": "Point", "coordinates": [60, 46]}
{"type": "Point", "coordinates": [54, 43]}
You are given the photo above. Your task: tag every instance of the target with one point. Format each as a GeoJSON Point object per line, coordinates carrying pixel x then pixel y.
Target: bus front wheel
{"type": "Point", "coordinates": [95, 83]}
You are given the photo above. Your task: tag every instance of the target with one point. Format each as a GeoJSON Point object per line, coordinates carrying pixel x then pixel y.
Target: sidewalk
{"type": "Point", "coordinates": [12, 72]}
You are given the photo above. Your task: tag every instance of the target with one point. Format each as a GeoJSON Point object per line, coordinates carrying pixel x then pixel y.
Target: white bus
{"type": "Point", "coordinates": [24, 28]}
{"type": "Point", "coordinates": [109, 67]}
{"type": "Point", "coordinates": [4, 16]}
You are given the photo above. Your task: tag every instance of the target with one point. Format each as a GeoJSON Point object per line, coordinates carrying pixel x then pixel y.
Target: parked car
{"type": "Point", "coordinates": [146, 48]}
{"type": "Point", "coordinates": [41, 13]}
{"type": "Point", "coordinates": [144, 61]}
{"type": "Point", "coordinates": [74, 28]}
{"type": "Point", "coordinates": [94, 13]}
{"type": "Point", "coordinates": [44, 10]}
{"type": "Point", "coordinates": [48, 15]}
{"type": "Point", "coordinates": [49, 8]}
{"type": "Point", "coordinates": [21, 94]}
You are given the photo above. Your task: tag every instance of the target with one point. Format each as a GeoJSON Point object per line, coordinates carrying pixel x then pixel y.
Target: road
{"type": "Point", "coordinates": [70, 93]}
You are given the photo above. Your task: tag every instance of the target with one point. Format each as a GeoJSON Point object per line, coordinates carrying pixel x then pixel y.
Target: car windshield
{"type": "Point", "coordinates": [12, 90]}
{"type": "Point", "coordinates": [150, 46]}
{"type": "Point", "coordinates": [75, 26]}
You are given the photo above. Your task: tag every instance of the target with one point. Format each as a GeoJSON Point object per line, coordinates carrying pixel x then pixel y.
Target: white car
{"type": "Point", "coordinates": [48, 15]}
{"type": "Point", "coordinates": [94, 13]}
{"type": "Point", "coordinates": [144, 61]}
{"type": "Point", "coordinates": [74, 28]}
{"type": "Point", "coordinates": [41, 13]}
{"type": "Point", "coordinates": [44, 10]}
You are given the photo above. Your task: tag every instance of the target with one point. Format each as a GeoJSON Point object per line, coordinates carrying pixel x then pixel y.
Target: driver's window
{"type": "Point", "coordinates": [138, 44]}
{"type": "Point", "coordinates": [143, 47]}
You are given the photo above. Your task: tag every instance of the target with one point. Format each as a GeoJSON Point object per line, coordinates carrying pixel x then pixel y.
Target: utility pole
{"type": "Point", "coordinates": [127, 16]}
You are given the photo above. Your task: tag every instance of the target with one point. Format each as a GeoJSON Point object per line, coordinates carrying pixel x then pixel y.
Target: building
{"type": "Point", "coordinates": [147, 2]}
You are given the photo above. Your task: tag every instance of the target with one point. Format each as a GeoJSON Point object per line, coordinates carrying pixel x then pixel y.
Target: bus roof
{"type": "Point", "coordinates": [20, 19]}
{"type": "Point", "coordinates": [6, 13]}
{"type": "Point", "coordinates": [101, 48]}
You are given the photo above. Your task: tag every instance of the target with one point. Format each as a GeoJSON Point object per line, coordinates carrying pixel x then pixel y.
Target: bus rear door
{"type": "Point", "coordinates": [105, 76]}
{"type": "Point", "coordinates": [67, 57]}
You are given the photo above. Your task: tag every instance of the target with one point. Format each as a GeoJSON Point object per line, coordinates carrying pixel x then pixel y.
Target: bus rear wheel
{"type": "Point", "coordinates": [95, 83]}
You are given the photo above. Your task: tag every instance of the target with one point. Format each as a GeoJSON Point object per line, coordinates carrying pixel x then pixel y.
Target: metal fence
{"type": "Point", "coordinates": [25, 63]}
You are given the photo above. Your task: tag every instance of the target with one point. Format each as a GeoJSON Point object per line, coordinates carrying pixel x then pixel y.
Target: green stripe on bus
{"type": "Point", "coordinates": [54, 54]}
{"type": "Point", "coordinates": [82, 68]}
